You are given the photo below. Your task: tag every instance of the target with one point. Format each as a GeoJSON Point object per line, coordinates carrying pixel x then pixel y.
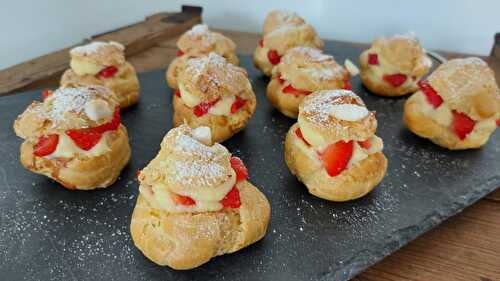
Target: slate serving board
{"type": "Point", "coordinates": [49, 233]}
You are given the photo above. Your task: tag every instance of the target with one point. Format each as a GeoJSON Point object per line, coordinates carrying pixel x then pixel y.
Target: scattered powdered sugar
{"type": "Point", "coordinates": [347, 112]}
{"type": "Point", "coordinates": [198, 172]}
{"type": "Point", "coordinates": [331, 103]}
{"type": "Point", "coordinates": [68, 100]}
{"type": "Point", "coordinates": [199, 29]}
{"type": "Point", "coordinates": [410, 35]}
{"type": "Point", "coordinates": [190, 145]}
{"type": "Point", "coordinates": [198, 66]}
{"type": "Point", "coordinates": [314, 54]}
{"type": "Point", "coordinates": [94, 47]}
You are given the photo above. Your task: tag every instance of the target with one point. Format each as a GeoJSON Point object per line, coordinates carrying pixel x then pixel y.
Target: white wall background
{"type": "Point", "coordinates": [32, 28]}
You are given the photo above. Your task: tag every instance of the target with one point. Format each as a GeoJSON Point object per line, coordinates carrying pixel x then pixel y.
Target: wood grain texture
{"type": "Point", "coordinates": [466, 247]}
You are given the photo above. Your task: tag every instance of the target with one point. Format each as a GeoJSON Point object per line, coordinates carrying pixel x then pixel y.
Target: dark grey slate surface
{"type": "Point", "coordinates": [49, 233]}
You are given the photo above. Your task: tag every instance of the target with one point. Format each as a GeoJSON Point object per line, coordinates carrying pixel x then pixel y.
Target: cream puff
{"type": "Point", "coordinates": [103, 63]}
{"type": "Point", "coordinates": [457, 107]}
{"type": "Point", "coordinates": [301, 71]}
{"type": "Point", "coordinates": [197, 42]}
{"type": "Point", "coordinates": [333, 148]}
{"type": "Point", "coordinates": [278, 18]}
{"type": "Point", "coordinates": [214, 93]}
{"type": "Point", "coordinates": [75, 137]}
{"type": "Point", "coordinates": [283, 37]}
{"type": "Point", "coordinates": [195, 202]}
{"type": "Point", "coordinates": [393, 65]}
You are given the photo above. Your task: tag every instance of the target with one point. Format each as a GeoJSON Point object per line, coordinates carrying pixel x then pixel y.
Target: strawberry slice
{"type": "Point", "coordinates": [298, 133]}
{"type": "Point", "coordinates": [291, 90]}
{"type": "Point", "coordinates": [232, 199]}
{"type": "Point", "coordinates": [179, 53]}
{"type": "Point", "coordinates": [237, 104]}
{"type": "Point", "coordinates": [395, 80]}
{"type": "Point", "coordinates": [261, 43]}
{"type": "Point", "coordinates": [373, 59]}
{"type": "Point", "coordinates": [336, 157]}
{"type": "Point", "coordinates": [46, 145]}
{"type": "Point", "coordinates": [46, 94]}
{"type": "Point", "coordinates": [498, 122]}
{"type": "Point", "coordinates": [366, 144]}
{"type": "Point", "coordinates": [183, 200]}
{"type": "Point", "coordinates": [202, 108]}
{"type": "Point", "coordinates": [138, 173]}
{"type": "Point", "coordinates": [107, 72]}
{"type": "Point", "coordinates": [280, 80]}
{"type": "Point", "coordinates": [347, 85]}
{"type": "Point", "coordinates": [432, 96]}
{"type": "Point", "coordinates": [177, 93]}
{"type": "Point", "coordinates": [462, 124]}
{"type": "Point", "coordinates": [239, 168]}
{"type": "Point", "coordinates": [274, 57]}
{"type": "Point", "coordinates": [89, 137]}
{"type": "Point", "coordinates": [84, 139]}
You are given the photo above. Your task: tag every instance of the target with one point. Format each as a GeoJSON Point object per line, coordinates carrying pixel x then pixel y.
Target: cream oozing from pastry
{"type": "Point", "coordinates": [443, 115]}
{"type": "Point", "coordinates": [97, 110]}
{"type": "Point", "coordinates": [221, 108]}
{"type": "Point", "coordinates": [66, 148]}
{"type": "Point", "coordinates": [85, 67]}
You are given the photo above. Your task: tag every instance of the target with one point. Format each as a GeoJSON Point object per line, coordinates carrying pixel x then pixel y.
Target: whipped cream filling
{"type": "Point", "coordinates": [162, 198]}
{"type": "Point", "coordinates": [358, 153]}
{"type": "Point", "coordinates": [443, 115]}
{"type": "Point", "coordinates": [221, 108]}
{"type": "Point", "coordinates": [98, 109]}
{"type": "Point", "coordinates": [66, 148]}
{"type": "Point", "coordinates": [87, 67]}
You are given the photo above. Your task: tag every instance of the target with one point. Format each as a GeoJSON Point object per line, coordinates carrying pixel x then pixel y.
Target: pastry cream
{"type": "Point", "coordinates": [84, 67]}
{"type": "Point", "coordinates": [66, 148]}
{"type": "Point", "coordinates": [97, 109]}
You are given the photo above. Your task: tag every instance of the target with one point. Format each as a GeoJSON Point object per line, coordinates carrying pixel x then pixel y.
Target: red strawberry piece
{"type": "Point", "coordinates": [347, 85]}
{"type": "Point", "coordinates": [232, 199]}
{"type": "Point", "coordinates": [280, 80]}
{"type": "Point", "coordinates": [261, 43]}
{"type": "Point", "coordinates": [46, 145]}
{"type": "Point", "coordinates": [336, 157]}
{"type": "Point", "coordinates": [177, 93]}
{"type": "Point", "coordinates": [366, 144]}
{"type": "Point", "coordinates": [183, 200]}
{"type": "Point", "coordinates": [84, 139]}
{"type": "Point", "coordinates": [373, 59]}
{"type": "Point", "coordinates": [498, 122]}
{"type": "Point", "coordinates": [237, 104]}
{"type": "Point", "coordinates": [395, 80]}
{"type": "Point", "coordinates": [291, 90]}
{"type": "Point", "coordinates": [432, 96]}
{"type": "Point", "coordinates": [462, 124]}
{"type": "Point", "coordinates": [179, 53]}
{"type": "Point", "coordinates": [138, 173]}
{"type": "Point", "coordinates": [202, 108]}
{"type": "Point", "coordinates": [273, 56]}
{"type": "Point", "coordinates": [239, 168]}
{"type": "Point", "coordinates": [298, 133]}
{"type": "Point", "coordinates": [46, 94]}
{"type": "Point", "coordinates": [108, 72]}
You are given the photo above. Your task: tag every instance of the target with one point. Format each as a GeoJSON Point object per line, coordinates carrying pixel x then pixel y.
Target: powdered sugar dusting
{"type": "Point", "coordinates": [325, 104]}
{"type": "Point", "coordinates": [68, 100]}
{"type": "Point", "coordinates": [198, 172]}
{"type": "Point", "coordinates": [94, 47]}
{"type": "Point", "coordinates": [199, 29]}
{"type": "Point", "coordinates": [314, 54]}
{"type": "Point", "coordinates": [198, 66]}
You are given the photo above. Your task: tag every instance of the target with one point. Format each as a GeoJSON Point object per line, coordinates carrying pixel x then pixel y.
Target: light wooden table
{"type": "Point", "coordinates": [466, 247]}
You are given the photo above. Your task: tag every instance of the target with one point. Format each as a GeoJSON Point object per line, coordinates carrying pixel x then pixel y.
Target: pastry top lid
{"type": "Point", "coordinates": [468, 85]}
{"type": "Point", "coordinates": [67, 108]}
{"type": "Point", "coordinates": [310, 69]}
{"type": "Point", "coordinates": [403, 52]}
{"type": "Point", "coordinates": [337, 115]}
{"type": "Point", "coordinates": [100, 53]}
{"type": "Point", "coordinates": [288, 36]}
{"type": "Point", "coordinates": [278, 18]}
{"type": "Point", "coordinates": [200, 40]}
{"type": "Point", "coordinates": [212, 77]}
{"type": "Point", "coordinates": [190, 164]}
